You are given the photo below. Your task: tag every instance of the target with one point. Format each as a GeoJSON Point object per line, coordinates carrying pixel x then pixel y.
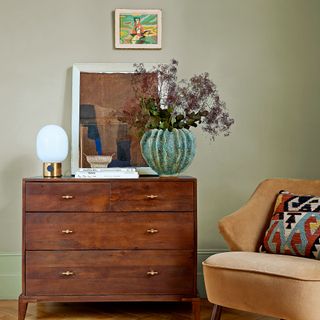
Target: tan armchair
{"type": "Point", "coordinates": [280, 286]}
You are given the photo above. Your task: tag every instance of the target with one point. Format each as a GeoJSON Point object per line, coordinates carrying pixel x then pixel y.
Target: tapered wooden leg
{"type": "Point", "coordinates": [23, 305]}
{"type": "Point", "coordinates": [196, 309]}
{"type": "Point", "coordinates": [216, 312]}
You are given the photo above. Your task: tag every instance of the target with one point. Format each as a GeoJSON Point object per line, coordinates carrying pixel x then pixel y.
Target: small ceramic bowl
{"type": "Point", "coordinates": [99, 161]}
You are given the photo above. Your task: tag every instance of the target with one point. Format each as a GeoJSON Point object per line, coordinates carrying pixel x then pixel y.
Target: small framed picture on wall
{"type": "Point", "coordinates": [138, 29]}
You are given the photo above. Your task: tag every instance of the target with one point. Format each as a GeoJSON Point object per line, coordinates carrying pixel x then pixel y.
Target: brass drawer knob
{"type": "Point", "coordinates": [152, 196]}
{"type": "Point", "coordinates": [152, 231]}
{"type": "Point", "coordinates": [67, 197]}
{"type": "Point", "coordinates": [67, 273]}
{"type": "Point", "coordinates": [67, 231]}
{"type": "Point", "coordinates": [152, 273]}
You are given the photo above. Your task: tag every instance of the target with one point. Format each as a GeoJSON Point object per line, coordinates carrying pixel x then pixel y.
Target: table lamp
{"type": "Point", "coordinates": [52, 149]}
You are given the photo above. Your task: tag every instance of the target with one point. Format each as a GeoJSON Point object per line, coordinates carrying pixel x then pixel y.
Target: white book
{"type": "Point", "coordinates": [107, 173]}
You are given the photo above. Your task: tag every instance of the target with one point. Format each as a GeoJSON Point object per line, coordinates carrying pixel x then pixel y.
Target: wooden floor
{"type": "Point", "coordinates": [117, 311]}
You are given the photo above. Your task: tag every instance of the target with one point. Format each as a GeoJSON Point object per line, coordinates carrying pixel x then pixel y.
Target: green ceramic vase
{"type": "Point", "coordinates": [168, 153]}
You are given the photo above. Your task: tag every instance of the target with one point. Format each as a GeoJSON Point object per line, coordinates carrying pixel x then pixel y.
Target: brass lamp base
{"type": "Point", "coordinates": [52, 169]}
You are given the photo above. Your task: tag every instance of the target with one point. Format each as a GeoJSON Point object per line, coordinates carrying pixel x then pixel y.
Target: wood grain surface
{"type": "Point", "coordinates": [116, 230]}
{"type": "Point", "coordinates": [88, 240]}
{"type": "Point", "coordinates": [152, 196]}
{"type": "Point", "coordinates": [76, 196]}
{"type": "Point", "coordinates": [103, 272]}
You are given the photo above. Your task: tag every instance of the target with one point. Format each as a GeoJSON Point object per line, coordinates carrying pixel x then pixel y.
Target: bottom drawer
{"type": "Point", "coordinates": [109, 272]}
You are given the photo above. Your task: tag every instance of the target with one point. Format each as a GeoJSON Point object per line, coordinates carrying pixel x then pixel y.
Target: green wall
{"type": "Point", "coordinates": [263, 56]}
{"type": "Point", "coordinates": [10, 275]}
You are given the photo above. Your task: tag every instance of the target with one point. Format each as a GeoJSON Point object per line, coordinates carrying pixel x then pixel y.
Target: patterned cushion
{"type": "Point", "coordinates": [295, 226]}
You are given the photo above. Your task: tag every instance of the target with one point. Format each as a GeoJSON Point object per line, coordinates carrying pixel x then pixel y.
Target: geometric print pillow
{"type": "Point", "coordinates": [295, 226]}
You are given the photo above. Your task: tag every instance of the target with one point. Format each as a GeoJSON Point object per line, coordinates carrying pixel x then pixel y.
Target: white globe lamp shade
{"type": "Point", "coordinates": [52, 149]}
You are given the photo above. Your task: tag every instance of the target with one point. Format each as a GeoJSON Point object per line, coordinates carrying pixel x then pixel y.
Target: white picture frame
{"type": "Point", "coordinates": [75, 119]}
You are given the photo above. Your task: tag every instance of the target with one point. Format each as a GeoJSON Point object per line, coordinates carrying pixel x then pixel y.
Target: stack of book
{"type": "Point", "coordinates": [107, 173]}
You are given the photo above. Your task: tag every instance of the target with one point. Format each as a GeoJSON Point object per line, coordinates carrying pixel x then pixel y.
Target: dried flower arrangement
{"type": "Point", "coordinates": [164, 102]}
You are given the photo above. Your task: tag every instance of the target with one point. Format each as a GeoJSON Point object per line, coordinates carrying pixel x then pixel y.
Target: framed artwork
{"type": "Point", "coordinates": [99, 94]}
{"type": "Point", "coordinates": [138, 29]}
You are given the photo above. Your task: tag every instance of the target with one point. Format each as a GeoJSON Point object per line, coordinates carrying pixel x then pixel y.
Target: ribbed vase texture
{"type": "Point", "coordinates": [168, 153]}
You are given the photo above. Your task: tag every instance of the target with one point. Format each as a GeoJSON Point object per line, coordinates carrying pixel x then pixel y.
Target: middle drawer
{"type": "Point", "coordinates": [72, 231]}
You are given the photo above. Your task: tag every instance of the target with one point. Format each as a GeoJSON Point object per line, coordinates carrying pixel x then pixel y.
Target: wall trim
{"type": "Point", "coordinates": [10, 254]}
{"type": "Point", "coordinates": [10, 272]}
{"type": "Point", "coordinates": [211, 251]}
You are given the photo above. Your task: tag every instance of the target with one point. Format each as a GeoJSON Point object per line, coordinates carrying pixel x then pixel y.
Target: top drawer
{"type": "Point", "coordinates": [152, 196]}
{"type": "Point", "coordinates": [67, 196]}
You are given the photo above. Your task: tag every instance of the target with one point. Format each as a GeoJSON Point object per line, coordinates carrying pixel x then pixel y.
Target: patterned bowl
{"type": "Point", "coordinates": [168, 153]}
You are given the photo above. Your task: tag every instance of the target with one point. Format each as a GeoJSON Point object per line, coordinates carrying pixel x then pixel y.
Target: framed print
{"type": "Point", "coordinates": [138, 29]}
{"type": "Point", "coordinates": [99, 95]}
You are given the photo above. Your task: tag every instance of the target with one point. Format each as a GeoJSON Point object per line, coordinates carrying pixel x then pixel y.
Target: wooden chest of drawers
{"type": "Point", "coordinates": [109, 240]}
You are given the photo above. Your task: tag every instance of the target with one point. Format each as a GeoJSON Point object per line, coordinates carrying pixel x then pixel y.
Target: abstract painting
{"type": "Point", "coordinates": [138, 29]}
{"type": "Point", "coordinates": [99, 98]}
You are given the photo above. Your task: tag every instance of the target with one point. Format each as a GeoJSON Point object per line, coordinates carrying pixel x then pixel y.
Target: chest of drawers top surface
{"type": "Point", "coordinates": [142, 178]}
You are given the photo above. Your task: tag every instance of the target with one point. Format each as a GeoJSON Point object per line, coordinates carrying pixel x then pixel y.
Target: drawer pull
{"type": "Point", "coordinates": [67, 231]}
{"type": "Point", "coordinates": [152, 273]}
{"type": "Point", "coordinates": [152, 196]}
{"type": "Point", "coordinates": [67, 197]}
{"type": "Point", "coordinates": [152, 231]}
{"type": "Point", "coordinates": [67, 273]}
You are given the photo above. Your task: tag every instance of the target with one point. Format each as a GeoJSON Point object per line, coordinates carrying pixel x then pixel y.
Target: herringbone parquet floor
{"type": "Point", "coordinates": [117, 311]}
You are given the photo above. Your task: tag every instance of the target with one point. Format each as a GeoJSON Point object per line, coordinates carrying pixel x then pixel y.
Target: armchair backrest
{"type": "Point", "coordinates": [244, 229]}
